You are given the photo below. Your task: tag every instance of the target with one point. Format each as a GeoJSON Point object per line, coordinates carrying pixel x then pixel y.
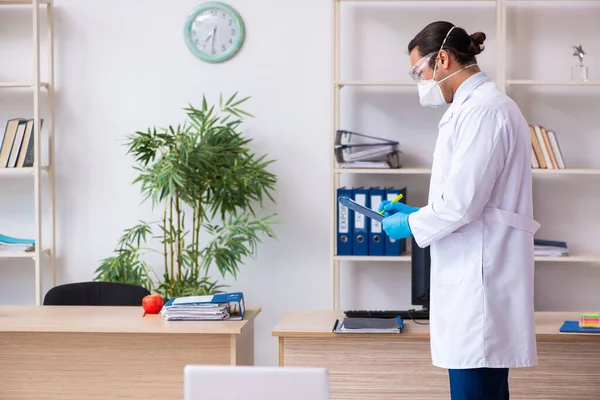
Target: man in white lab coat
{"type": "Point", "coordinates": [478, 221]}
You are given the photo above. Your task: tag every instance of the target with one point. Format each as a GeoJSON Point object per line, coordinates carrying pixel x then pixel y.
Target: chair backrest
{"type": "Point", "coordinates": [95, 294]}
{"type": "Point", "coordinates": [208, 382]}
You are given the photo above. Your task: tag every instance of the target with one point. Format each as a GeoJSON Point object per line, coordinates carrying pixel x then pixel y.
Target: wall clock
{"type": "Point", "coordinates": [214, 32]}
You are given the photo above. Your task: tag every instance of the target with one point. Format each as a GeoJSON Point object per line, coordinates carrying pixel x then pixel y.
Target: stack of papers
{"type": "Point", "coordinates": [549, 248]}
{"type": "Point", "coordinates": [219, 307]}
{"type": "Point", "coordinates": [369, 325]}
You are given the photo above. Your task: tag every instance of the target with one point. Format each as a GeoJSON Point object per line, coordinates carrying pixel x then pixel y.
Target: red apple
{"type": "Point", "coordinates": [152, 303]}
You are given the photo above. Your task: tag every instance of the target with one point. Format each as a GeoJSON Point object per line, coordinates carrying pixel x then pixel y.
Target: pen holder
{"type": "Point", "coordinates": [589, 320]}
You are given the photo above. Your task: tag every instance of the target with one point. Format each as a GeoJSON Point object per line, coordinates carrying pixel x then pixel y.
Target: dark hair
{"type": "Point", "coordinates": [459, 43]}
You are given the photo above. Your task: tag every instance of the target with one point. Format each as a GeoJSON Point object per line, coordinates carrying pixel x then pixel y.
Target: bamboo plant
{"type": "Point", "coordinates": [209, 184]}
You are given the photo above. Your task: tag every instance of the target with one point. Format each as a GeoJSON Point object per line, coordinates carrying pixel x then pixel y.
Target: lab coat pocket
{"type": "Point", "coordinates": [450, 260]}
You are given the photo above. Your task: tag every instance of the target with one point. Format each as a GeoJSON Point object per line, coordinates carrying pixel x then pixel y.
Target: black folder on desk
{"type": "Point", "coordinates": [369, 325]}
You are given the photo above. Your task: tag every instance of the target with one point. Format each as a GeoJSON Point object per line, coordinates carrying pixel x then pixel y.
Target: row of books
{"type": "Point", "coordinates": [545, 151]}
{"type": "Point", "coordinates": [16, 143]}
{"type": "Point", "coordinates": [361, 236]}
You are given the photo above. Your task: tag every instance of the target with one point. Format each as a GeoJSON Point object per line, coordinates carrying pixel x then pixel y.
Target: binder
{"type": "Point", "coordinates": [345, 223]}
{"type": "Point", "coordinates": [376, 239]}
{"type": "Point", "coordinates": [394, 247]}
{"type": "Point", "coordinates": [360, 242]}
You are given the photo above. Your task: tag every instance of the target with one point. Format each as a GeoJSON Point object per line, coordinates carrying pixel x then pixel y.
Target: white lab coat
{"type": "Point", "coordinates": [479, 224]}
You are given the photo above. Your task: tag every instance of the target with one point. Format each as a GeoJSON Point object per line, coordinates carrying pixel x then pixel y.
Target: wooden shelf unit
{"type": "Point", "coordinates": [38, 171]}
{"type": "Point", "coordinates": [502, 82]}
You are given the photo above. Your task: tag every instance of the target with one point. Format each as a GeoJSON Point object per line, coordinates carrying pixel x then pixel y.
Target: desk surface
{"type": "Point", "coordinates": [109, 320]}
{"type": "Point", "coordinates": [319, 323]}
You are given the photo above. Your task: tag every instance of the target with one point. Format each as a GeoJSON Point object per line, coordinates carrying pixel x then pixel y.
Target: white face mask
{"type": "Point", "coordinates": [430, 92]}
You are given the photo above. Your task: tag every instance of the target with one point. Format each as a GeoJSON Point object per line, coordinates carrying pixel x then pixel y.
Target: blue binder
{"type": "Point", "coordinates": [376, 238]}
{"type": "Point", "coordinates": [394, 247]}
{"type": "Point", "coordinates": [360, 242]}
{"type": "Point", "coordinates": [345, 223]}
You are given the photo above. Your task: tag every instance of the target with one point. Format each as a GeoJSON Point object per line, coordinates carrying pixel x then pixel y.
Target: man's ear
{"type": "Point", "coordinates": [444, 57]}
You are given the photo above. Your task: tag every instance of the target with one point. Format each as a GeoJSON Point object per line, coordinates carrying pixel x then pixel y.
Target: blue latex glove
{"type": "Point", "coordinates": [396, 226]}
{"type": "Point", "coordinates": [393, 208]}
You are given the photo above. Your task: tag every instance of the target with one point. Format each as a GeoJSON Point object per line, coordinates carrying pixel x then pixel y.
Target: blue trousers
{"type": "Point", "coordinates": [479, 384]}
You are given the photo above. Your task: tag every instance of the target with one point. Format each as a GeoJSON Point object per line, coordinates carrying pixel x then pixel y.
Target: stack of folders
{"type": "Point", "coordinates": [356, 150]}
{"type": "Point", "coordinates": [218, 307]}
{"type": "Point", "coordinates": [545, 152]}
{"type": "Point", "coordinates": [369, 325]}
{"type": "Point", "coordinates": [550, 248]}
{"type": "Point", "coordinates": [10, 244]}
{"type": "Point", "coordinates": [358, 235]}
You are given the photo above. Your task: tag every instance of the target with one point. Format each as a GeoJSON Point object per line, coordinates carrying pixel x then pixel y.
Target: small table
{"type": "Point", "coordinates": [88, 353]}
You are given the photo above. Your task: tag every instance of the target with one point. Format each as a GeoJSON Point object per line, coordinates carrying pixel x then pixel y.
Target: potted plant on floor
{"type": "Point", "coordinates": [208, 183]}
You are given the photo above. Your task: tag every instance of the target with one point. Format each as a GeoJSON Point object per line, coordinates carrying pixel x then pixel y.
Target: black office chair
{"type": "Point", "coordinates": [95, 294]}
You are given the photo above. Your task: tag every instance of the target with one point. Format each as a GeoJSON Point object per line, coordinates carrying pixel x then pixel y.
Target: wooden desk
{"type": "Point", "coordinates": [398, 366]}
{"type": "Point", "coordinates": [75, 353]}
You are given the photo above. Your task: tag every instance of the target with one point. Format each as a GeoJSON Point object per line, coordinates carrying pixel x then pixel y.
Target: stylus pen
{"type": "Point", "coordinates": [397, 199]}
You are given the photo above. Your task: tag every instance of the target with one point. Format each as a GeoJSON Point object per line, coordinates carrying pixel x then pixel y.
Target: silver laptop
{"type": "Point", "coordinates": [203, 382]}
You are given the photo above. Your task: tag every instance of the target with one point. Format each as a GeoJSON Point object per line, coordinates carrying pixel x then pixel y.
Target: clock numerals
{"type": "Point", "coordinates": [213, 12]}
{"type": "Point", "coordinates": [230, 41]}
{"type": "Point", "coordinates": [230, 22]}
{"type": "Point", "coordinates": [223, 48]}
{"type": "Point", "coordinates": [232, 31]}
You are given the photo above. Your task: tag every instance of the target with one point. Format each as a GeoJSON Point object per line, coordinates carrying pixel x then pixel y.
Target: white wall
{"type": "Point", "coordinates": [123, 66]}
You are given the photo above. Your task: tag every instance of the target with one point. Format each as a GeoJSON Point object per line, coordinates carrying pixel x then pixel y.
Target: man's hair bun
{"type": "Point", "coordinates": [477, 45]}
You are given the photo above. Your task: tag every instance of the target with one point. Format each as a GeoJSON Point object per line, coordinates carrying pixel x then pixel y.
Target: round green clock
{"type": "Point", "coordinates": [214, 32]}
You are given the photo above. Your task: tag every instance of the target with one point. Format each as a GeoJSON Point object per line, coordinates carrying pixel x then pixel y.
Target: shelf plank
{"type": "Point", "coordinates": [16, 254]}
{"type": "Point", "coordinates": [374, 258]}
{"type": "Point", "coordinates": [426, 171]}
{"type": "Point", "coordinates": [20, 171]}
{"type": "Point", "coordinates": [22, 254]}
{"type": "Point", "coordinates": [517, 82]}
{"type": "Point", "coordinates": [414, 1]}
{"type": "Point", "coordinates": [21, 85]}
{"type": "Point", "coordinates": [374, 83]}
{"type": "Point", "coordinates": [583, 258]}
{"type": "Point", "coordinates": [400, 171]}
{"type": "Point", "coordinates": [589, 258]}
{"type": "Point", "coordinates": [22, 2]}
{"type": "Point", "coordinates": [566, 171]}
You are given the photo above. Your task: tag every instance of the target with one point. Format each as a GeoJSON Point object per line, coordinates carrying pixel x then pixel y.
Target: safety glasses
{"type": "Point", "coordinates": [417, 71]}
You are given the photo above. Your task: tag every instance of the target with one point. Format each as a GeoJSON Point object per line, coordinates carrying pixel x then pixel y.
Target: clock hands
{"type": "Point", "coordinates": [214, 32]}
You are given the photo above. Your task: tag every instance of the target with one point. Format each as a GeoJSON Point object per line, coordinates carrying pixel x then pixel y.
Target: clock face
{"type": "Point", "coordinates": [214, 32]}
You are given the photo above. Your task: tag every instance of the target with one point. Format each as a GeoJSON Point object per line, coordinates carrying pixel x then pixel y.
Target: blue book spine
{"type": "Point", "coordinates": [360, 245]}
{"type": "Point", "coordinates": [376, 238]}
{"type": "Point", "coordinates": [345, 222]}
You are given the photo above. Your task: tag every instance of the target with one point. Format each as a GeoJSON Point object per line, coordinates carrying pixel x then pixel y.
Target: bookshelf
{"type": "Point", "coordinates": [45, 251]}
{"type": "Point", "coordinates": [417, 172]}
